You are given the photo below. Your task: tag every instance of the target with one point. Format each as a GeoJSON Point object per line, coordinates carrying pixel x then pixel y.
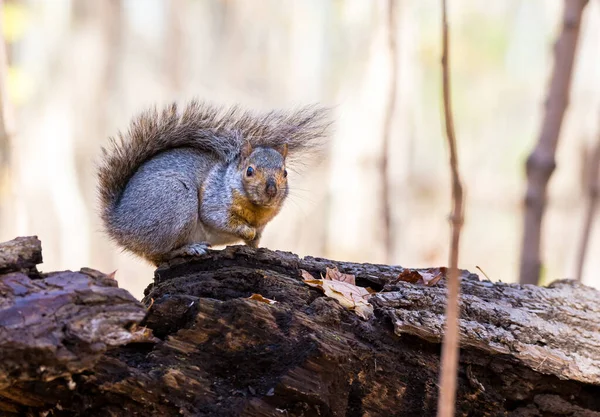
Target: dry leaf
{"type": "Point", "coordinates": [348, 295]}
{"type": "Point", "coordinates": [306, 275]}
{"type": "Point", "coordinates": [335, 275]}
{"type": "Point", "coordinates": [430, 278]}
{"type": "Point", "coordinates": [409, 276]}
{"type": "Point", "coordinates": [424, 277]}
{"type": "Point", "coordinates": [258, 297]}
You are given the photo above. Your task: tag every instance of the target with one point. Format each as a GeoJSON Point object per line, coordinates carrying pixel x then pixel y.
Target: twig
{"type": "Point", "coordinates": [541, 162]}
{"type": "Point", "coordinates": [387, 131]}
{"type": "Point", "coordinates": [483, 272]}
{"type": "Point", "coordinates": [592, 203]}
{"type": "Point", "coordinates": [450, 344]}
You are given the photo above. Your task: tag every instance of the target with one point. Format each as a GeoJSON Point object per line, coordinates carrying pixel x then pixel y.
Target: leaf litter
{"type": "Point", "coordinates": [343, 288]}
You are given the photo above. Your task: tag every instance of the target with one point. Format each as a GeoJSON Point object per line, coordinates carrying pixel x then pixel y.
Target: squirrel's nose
{"type": "Point", "coordinates": [271, 189]}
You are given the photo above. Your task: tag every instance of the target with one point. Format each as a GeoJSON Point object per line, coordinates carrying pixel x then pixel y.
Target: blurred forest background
{"type": "Point", "coordinates": [78, 70]}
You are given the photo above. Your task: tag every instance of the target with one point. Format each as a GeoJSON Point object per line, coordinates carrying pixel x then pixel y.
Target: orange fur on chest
{"type": "Point", "coordinates": [250, 213]}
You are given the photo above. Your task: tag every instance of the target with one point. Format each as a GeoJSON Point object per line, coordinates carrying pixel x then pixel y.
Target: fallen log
{"type": "Point", "coordinates": [200, 345]}
{"type": "Point", "coordinates": [54, 326]}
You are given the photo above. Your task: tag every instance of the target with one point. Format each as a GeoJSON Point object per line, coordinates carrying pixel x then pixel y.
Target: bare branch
{"type": "Point", "coordinates": [592, 203]}
{"type": "Point", "coordinates": [541, 162]}
{"type": "Point", "coordinates": [388, 236]}
{"type": "Point", "coordinates": [449, 360]}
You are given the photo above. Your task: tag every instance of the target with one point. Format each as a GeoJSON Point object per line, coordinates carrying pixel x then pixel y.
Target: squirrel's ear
{"type": "Point", "coordinates": [246, 149]}
{"type": "Point", "coordinates": [282, 149]}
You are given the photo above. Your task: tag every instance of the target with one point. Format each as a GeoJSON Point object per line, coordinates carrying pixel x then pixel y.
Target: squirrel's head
{"type": "Point", "coordinates": [264, 176]}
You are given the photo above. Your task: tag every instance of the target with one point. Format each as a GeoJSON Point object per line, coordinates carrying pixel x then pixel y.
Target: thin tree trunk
{"type": "Point", "coordinates": [111, 19]}
{"type": "Point", "coordinates": [541, 162]}
{"type": "Point", "coordinates": [592, 203]}
{"type": "Point", "coordinates": [6, 130]}
{"type": "Point", "coordinates": [387, 131]}
{"type": "Point", "coordinates": [173, 45]}
{"type": "Point", "coordinates": [5, 111]}
{"type": "Point", "coordinates": [449, 359]}
{"type": "Point", "coordinates": [102, 23]}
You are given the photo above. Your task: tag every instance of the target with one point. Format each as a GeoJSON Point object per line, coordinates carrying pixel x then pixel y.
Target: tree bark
{"type": "Point", "coordinates": [73, 344]}
{"type": "Point", "coordinates": [541, 162]}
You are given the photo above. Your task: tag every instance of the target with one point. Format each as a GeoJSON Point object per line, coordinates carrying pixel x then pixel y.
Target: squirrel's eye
{"type": "Point", "coordinates": [250, 171]}
{"type": "Point", "coordinates": [285, 173]}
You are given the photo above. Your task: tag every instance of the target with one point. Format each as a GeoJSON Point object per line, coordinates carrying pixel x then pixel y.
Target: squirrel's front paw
{"type": "Point", "coordinates": [247, 233]}
{"type": "Point", "coordinates": [254, 242]}
{"type": "Point", "coordinates": [194, 249]}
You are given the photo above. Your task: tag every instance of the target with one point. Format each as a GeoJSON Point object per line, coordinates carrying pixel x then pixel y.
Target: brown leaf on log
{"type": "Point", "coordinates": [428, 277]}
{"type": "Point", "coordinates": [335, 275]}
{"type": "Point", "coordinates": [348, 295]}
{"type": "Point", "coordinates": [258, 297]}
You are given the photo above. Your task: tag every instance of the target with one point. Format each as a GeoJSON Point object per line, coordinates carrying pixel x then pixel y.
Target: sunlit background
{"type": "Point", "coordinates": [80, 69]}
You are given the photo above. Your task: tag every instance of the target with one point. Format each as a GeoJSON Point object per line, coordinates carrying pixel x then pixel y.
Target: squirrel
{"type": "Point", "coordinates": [177, 183]}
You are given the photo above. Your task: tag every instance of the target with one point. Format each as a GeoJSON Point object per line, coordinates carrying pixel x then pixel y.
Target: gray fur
{"type": "Point", "coordinates": [169, 185]}
{"type": "Point", "coordinates": [267, 157]}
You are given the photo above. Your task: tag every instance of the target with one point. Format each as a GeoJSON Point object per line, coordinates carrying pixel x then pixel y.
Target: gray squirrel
{"type": "Point", "coordinates": [178, 182]}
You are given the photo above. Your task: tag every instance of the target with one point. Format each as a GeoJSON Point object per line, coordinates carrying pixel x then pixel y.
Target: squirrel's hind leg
{"type": "Point", "coordinates": [193, 249]}
{"type": "Point", "coordinates": [157, 214]}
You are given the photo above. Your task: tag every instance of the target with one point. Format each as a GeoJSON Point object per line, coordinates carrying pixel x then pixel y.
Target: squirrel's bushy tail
{"type": "Point", "coordinates": [218, 130]}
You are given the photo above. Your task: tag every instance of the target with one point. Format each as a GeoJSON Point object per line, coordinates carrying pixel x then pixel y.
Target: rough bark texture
{"type": "Point", "coordinates": [526, 351]}
{"type": "Point", "coordinates": [20, 254]}
{"type": "Point", "coordinates": [57, 325]}
{"type": "Point", "coordinates": [541, 162]}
